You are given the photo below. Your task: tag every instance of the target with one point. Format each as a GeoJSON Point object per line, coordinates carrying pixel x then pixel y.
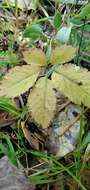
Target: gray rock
{"type": "Point", "coordinates": [12, 178]}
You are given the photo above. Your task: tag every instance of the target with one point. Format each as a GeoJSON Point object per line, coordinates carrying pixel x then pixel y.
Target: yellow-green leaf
{"type": "Point", "coordinates": [42, 102]}
{"type": "Point", "coordinates": [35, 57]}
{"type": "Point", "coordinates": [73, 82]}
{"type": "Point", "coordinates": [62, 54]}
{"type": "Point", "coordinates": [18, 80]}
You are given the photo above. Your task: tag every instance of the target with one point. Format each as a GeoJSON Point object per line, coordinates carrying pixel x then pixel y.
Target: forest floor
{"type": "Point", "coordinates": [44, 95]}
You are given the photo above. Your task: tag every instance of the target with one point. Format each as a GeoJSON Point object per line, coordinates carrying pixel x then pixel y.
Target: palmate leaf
{"type": "Point", "coordinates": [18, 80]}
{"type": "Point", "coordinates": [73, 82]}
{"type": "Point", "coordinates": [62, 54]}
{"type": "Point", "coordinates": [35, 57]}
{"type": "Point", "coordinates": [42, 102]}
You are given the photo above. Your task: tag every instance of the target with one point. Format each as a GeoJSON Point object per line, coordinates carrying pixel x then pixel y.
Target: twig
{"type": "Point", "coordinates": [64, 105]}
{"type": "Point", "coordinates": [79, 50]}
{"type": "Point", "coordinates": [69, 126]}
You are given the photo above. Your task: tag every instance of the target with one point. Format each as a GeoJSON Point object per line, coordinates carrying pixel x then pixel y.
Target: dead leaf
{"type": "Point", "coordinates": [6, 119]}
{"type": "Point", "coordinates": [30, 138]}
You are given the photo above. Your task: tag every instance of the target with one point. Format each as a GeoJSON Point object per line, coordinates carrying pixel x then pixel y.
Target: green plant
{"type": "Point", "coordinates": [53, 171]}
{"type": "Point", "coordinates": [69, 79]}
{"type": "Point", "coordinates": [7, 148]}
{"type": "Point", "coordinates": [7, 105]}
{"type": "Point", "coordinates": [45, 73]}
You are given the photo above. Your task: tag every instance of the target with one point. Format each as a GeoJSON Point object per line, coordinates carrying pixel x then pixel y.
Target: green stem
{"type": "Point", "coordinates": [16, 14]}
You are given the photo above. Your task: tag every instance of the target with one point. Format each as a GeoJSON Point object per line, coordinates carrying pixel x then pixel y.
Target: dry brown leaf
{"type": "Point", "coordinates": [32, 141]}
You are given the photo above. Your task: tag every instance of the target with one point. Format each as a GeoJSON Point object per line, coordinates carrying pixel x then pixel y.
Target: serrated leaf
{"type": "Point", "coordinates": [35, 57]}
{"type": "Point", "coordinates": [18, 80]}
{"type": "Point", "coordinates": [73, 82]}
{"type": "Point", "coordinates": [42, 102]}
{"type": "Point", "coordinates": [62, 54]}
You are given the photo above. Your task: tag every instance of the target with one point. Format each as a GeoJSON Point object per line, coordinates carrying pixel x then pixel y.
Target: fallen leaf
{"type": "Point", "coordinates": [30, 138]}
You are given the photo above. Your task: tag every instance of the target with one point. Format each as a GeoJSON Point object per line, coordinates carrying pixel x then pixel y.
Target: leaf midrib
{"type": "Point", "coordinates": [73, 81]}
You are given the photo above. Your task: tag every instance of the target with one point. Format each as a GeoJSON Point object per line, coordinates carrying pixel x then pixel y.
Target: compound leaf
{"type": "Point", "coordinates": [42, 102]}
{"type": "Point", "coordinates": [62, 54]}
{"type": "Point", "coordinates": [18, 80]}
{"type": "Point", "coordinates": [73, 82]}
